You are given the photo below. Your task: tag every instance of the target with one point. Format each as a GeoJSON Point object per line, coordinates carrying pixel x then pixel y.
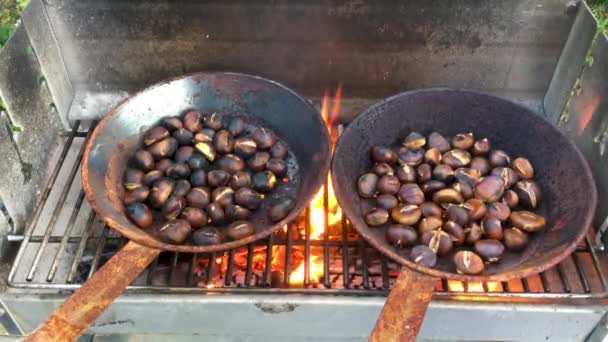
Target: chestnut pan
{"type": "Point", "coordinates": [118, 135]}
{"type": "Point", "coordinates": [568, 203]}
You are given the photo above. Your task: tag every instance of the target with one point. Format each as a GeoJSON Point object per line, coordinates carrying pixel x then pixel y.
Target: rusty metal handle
{"type": "Point", "coordinates": [404, 309]}
{"type": "Point", "coordinates": [68, 321]}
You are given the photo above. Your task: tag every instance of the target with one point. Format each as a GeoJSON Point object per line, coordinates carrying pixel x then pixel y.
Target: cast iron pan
{"type": "Point", "coordinates": [569, 192]}
{"type": "Point", "coordinates": [117, 136]}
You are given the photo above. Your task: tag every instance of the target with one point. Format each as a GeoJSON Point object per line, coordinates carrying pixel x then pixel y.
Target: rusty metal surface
{"type": "Point", "coordinates": [405, 308]}
{"type": "Point", "coordinates": [570, 194]}
{"type": "Point", "coordinates": [72, 318]}
{"type": "Point", "coordinates": [256, 99]}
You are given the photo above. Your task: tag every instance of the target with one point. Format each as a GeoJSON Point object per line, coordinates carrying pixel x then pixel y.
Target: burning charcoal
{"type": "Point", "coordinates": [175, 231]}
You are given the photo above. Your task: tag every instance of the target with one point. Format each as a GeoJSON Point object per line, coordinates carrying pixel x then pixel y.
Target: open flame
{"type": "Point", "coordinates": [458, 286]}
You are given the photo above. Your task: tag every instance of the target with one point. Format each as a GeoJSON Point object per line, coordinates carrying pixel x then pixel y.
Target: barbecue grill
{"type": "Point", "coordinates": [69, 62]}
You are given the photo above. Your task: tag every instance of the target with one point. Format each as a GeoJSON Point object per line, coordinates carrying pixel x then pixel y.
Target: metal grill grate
{"type": "Point", "coordinates": [66, 243]}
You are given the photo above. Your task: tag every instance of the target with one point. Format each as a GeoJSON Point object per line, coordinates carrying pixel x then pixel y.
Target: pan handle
{"type": "Point", "coordinates": [68, 321]}
{"type": "Point", "coordinates": [404, 309]}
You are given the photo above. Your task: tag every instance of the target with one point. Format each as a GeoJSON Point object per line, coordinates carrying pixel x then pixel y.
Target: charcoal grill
{"type": "Point", "coordinates": [70, 61]}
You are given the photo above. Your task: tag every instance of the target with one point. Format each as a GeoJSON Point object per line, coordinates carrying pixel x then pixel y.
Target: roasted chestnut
{"type": "Point", "coordinates": [247, 198]}
{"type": "Point", "coordinates": [198, 178]}
{"type": "Point", "coordinates": [175, 231]}
{"type": "Point", "coordinates": [183, 136]}
{"type": "Point", "coordinates": [206, 236]}
{"type": "Point", "coordinates": [499, 158]}
{"type": "Point", "coordinates": [382, 169]}
{"type": "Point", "coordinates": [476, 208]}
{"type": "Point", "coordinates": [205, 135]}
{"type": "Point", "coordinates": [438, 141]}
{"type": "Point", "coordinates": [183, 154]}
{"type": "Point", "coordinates": [140, 214]}
{"type": "Point", "coordinates": [172, 123]}
{"type": "Point", "coordinates": [468, 175]}
{"type": "Point", "coordinates": [239, 230]}
{"type": "Point", "coordinates": [432, 156]}
{"type": "Point", "coordinates": [438, 241]}
{"type": "Point", "coordinates": [468, 262]}
{"type": "Point", "coordinates": [515, 239]}
{"type": "Point", "coordinates": [236, 126]}
{"type": "Point", "coordinates": [430, 223]}
{"type": "Point", "coordinates": [480, 164]}
{"type": "Point", "coordinates": [154, 135]}
{"type": "Point", "coordinates": [498, 210]}
{"type": "Point", "coordinates": [528, 193]}
{"type": "Point", "coordinates": [223, 142]}
{"type": "Point", "coordinates": [455, 231]}
{"type": "Point", "coordinates": [388, 184]}
{"type": "Point", "coordinates": [214, 121]}
{"type": "Point", "coordinates": [223, 196]}
{"type": "Point", "coordinates": [492, 228]}
{"type": "Point", "coordinates": [215, 212]}
{"type": "Point", "coordinates": [423, 255]}
{"type": "Point", "coordinates": [231, 163]}
{"type": "Point", "coordinates": [464, 188]}
{"type": "Point", "coordinates": [523, 167]}
{"type": "Point", "coordinates": [245, 147]}
{"type": "Point", "coordinates": [447, 195]}
{"type": "Point", "coordinates": [429, 209]}
{"type": "Point", "coordinates": [423, 172]}
{"type": "Point", "coordinates": [410, 156]}
{"type": "Point", "coordinates": [414, 140]}
{"type": "Point", "coordinates": [207, 150]}
{"type": "Point", "coordinates": [281, 209]}
{"type": "Point", "coordinates": [173, 207]}
{"type": "Point", "coordinates": [367, 185]}
{"type": "Point", "coordinates": [217, 178]}
{"type": "Point", "coordinates": [196, 217]}
{"type": "Point", "coordinates": [139, 194]}
{"type": "Point", "coordinates": [432, 186]}
{"type": "Point", "coordinates": [160, 192]}
{"type": "Point", "coordinates": [473, 233]}
{"type": "Point", "coordinates": [258, 161]}
{"type": "Point", "coordinates": [192, 121]}
{"type": "Point", "coordinates": [152, 176]}
{"type": "Point", "coordinates": [197, 161]}
{"type": "Point", "coordinates": [279, 150]}
{"type": "Point", "coordinates": [163, 164]}
{"type": "Point", "coordinates": [264, 137]}
{"type": "Point", "coordinates": [509, 177]}
{"type": "Point", "coordinates": [443, 173]}
{"type": "Point", "coordinates": [240, 179]}
{"type": "Point", "coordinates": [457, 214]}
{"type": "Point", "coordinates": [406, 173]}
{"type": "Point", "coordinates": [407, 214]}
{"type": "Point", "coordinates": [489, 189]}
{"type": "Point", "coordinates": [178, 170]}
{"type": "Point", "coordinates": [410, 193]}
{"type": "Point", "coordinates": [236, 213]}
{"type": "Point", "coordinates": [510, 198]}
{"type": "Point", "coordinates": [463, 141]}
{"type": "Point", "coordinates": [489, 249]}
{"type": "Point", "coordinates": [278, 167]}
{"type": "Point", "coordinates": [264, 181]}
{"type": "Point", "coordinates": [376, 217]}
{"type": "Point", "coordinates": [143, 160]}
{"type": "Point", "coordinates": [181, 189]}
{"type": "Point", "coordinates": [456, 158]}
{"type": "Point", "coordinates": [198, 197]}
{"type": "Point", "coordinates": [401, 236]}
{"type": "Point", "coordinates": [387, 201]}
{"type": "Point", "coordinates": [527, 221]}
{"type": "Point", "coordinates": [481, 147]}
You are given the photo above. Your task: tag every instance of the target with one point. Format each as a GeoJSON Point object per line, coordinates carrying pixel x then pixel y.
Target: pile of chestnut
{"type": "Point", "coordinates": [459, 196]}
{"type": "Point", "coordinates": [202, 177]}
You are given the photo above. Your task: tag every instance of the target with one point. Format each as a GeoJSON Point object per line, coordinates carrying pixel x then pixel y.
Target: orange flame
{"type": "Point", "coordinates": [458, 286]}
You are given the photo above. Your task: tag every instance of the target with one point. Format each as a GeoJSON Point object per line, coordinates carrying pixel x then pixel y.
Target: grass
{"type": "Point", "coordinates": [600, 9]}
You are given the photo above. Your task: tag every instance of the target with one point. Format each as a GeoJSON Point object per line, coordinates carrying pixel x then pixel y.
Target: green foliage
{"type": "Point", "coordinates": [600, 10]}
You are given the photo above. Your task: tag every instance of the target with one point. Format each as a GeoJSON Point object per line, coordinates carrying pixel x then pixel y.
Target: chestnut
{"type": "Point", "coordinates": [139, 194]}
{"type": "Point", "coordinates": [430, 223]}
{"type": "Point", "coordinates": [438, 141]}
{"type": "Point", "coordinates": [523, 168]}
{"type": "Point", "coordinates": [133, 179]}
{"type": "Point", "coordinates": [463, 141]}
{"type": "Point", "coordinates": [432, 156]}
{"type": "Point", "coordinates": [481, 147]}
{"type": "Point", "coordinates": [401, 236]}
{"type": "Point", "coordinates": [154, 135]}
{"type": "Point", "coordinates": [140, 214]}
{"type": "Point", "coordinates": [432, 186]}
{"type": "Point", "coordinates": [464, 188]}
{"type": "Point", "coordinates": [410, 193]}
{"type": "Point", "coordinates": [160, 192]}
{"type": "Point", "coordinates": [163, 149]}
{"type": "Point", "coordinates": [443, 173]}
{"type": "Point", "coordinates": [264, 137]}
{"type": "Point", "coordinates": [236, 213]}
{"type": "Point", "coordinates": [438, 241]}
{"type": "Point", "coordinates": [223, 196]}
{"type": "Point", "coordinates": [223, 142]}
{"type": "Point", "coordinates": [236, 126]}
{"type": "Point", "coordinates": [206, 236]}
{"type": "Point", "coordinates": [407, 214]}
{"type": "Point", "coordinates": [152, 176]}
{"type": "Point", "coordinates": [475, 208]}
{"type": "Point", "coordinates": [197, 161]}
{"type": "Point", "coordinates": [278, 167]}
{"type": "Point", "coordinates": [382, 169]}
{"type": "Point", "coordinates": [423, 172]}
{"type": "Point", "coordinates": [163, 164]}
{"type": "Point", "coordinates": [175, 231]}
{"type": "Point", "coordinates": [213, 121]}
{"type": "Point", "coordinates": [473, 233]}
{"type": "Point", "coordinates": [455, 231]}
{"type": "Point", "coordinates": [527, 221]}
{"type": "Point", "coordinates": [245, 147]}
{"type": "Point", "coordinates": [367, 185]}
{"type": "Point", "coordinates": [239, 230]}
{"type": "Point", "coordinates": [264, 181]}
{"type": "Point", "coordinates": [480, 164]}
{"type": "Point", "coordinates": [489, 249]}
{"type": "Point", "coordinates": [279, 150]}
{"type": "Point", "coordinates": [198, 197]}
{"type": "Point", "coordinates": [410, 156]}
{"type": "Point", "coordinates": [196, 217]}
{"type": "Point", "coordinates": [231, 163]}
{"type": "Point", "coordinates": [215, 212]}
{"type": "Point", "coordinates": [376, 217]}
{"type": "Point", "coordinates": [198, 178]}
{"type": "Point", "coordinates": [388, 184]}
{"type": "Point", "coordinates": [528, 193]}
{"type": "Point", "coordinates": [489, 189]}
{"type": "Point", "coordinates": [172, 123]}
{"type": "Point", "coordinates": [447, 195]}
{"type": "Point", "coordinates": [143, 160]}
{"type": "Point", "coordinates": [414, 140]}
{"type": "Point", "coordinates": [492, 228]}
{"type": "Point", "coordinates": [387, 201]}
{"type": "Point", "coordinates": [173, 207]}
{"type": "Point", "coordinates": [457, 214]}
{"type": "Point", "coordinates": [183, 154]}
{"type": "Point", "coordinates": [258, 161]}
{"type": "Point", "coordinates": [217, 178]}
{"type": "Point", "coordinates": [281, 209]}
{"type": "Point", "coordinates": [405, 173]}
{"type": "Point", "coordinates": [468, 175]}
{"type": "Point", "coordinates": [509, 177]}
{"type": "Point", "coordinates": [181, 189]}
{"type": "Point", "coordinates": [468, 262]}
{"type": "Point", "coordinates": [205, 135]}
{"type": "Point", "coordinates": [499, 158]}
{"type": "Point", "coordinates": [381, 154]}
{"type": "Point", "coordinates": [178, 170]}
{"type": "Point", "coordinates": [183, 136]}
{"type": "Point", "coordinates": [515, 239]}
{"type": "Point", "coordinates": [240, 179]}
{"type": "Point", "coordinates": [423, 255]}
{"type": "Point", "coordinates": [206, 150]}
{"type": "Point", "coordinates": [456, 158]}
{"type": "Point", "coordinates": [498, 210]}
{"type": "Point", "coordinates": [510, 198]}
{"type": "Point", "coordinates": [429, 209]}
{"type": "Point", "coordinates": [247, 198]}
{"type": "Point", "coordinates": [192, 121]}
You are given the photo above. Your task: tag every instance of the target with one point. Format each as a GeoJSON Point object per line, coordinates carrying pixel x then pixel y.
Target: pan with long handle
{"type": "Point", "coordinates": [569, 192]}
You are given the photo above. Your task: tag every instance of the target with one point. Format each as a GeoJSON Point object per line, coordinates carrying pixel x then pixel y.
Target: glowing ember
{"type": "Point", "coordinates": [457, 286]}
